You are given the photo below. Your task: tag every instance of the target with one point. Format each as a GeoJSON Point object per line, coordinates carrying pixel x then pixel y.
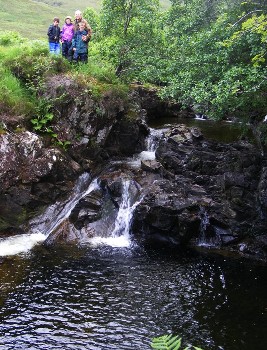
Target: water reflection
{"type": "Point", "coordinates": [119, 298]}
{"type": "Point", "coordinates": [221, 131]}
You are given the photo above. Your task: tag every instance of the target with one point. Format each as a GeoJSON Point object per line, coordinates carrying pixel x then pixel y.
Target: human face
{"type": "Point", "coordinates": [81, 26]}
{"type": "Point", "coordinates": [78, 15]}
{"type": "Point", "coordinates": [67, 21]}
{"type": "Point", "coordinates": [56, 23]}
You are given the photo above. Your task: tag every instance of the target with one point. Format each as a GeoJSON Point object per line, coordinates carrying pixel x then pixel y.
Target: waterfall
{"type": "Point", "coordinates": [209, 234]}
{"type": "Point", "coordinates": [41, 226]}
{"type": "Point", "coordinates": [153, 138]}
{"type": "Point", "coordinates": [120, 235]}
{"type": "Point", "coordinates": [125, 213]}
{"type": "Point", "coordinates": [58, 212]}
{"type": "Point", "coordinates": [152, 142]}
{"type": "Point", "coordinates": [203, 240]}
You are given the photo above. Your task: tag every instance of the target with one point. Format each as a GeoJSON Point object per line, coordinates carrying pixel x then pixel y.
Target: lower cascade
{"type": "Point", "coordinates": [41, 226]}
{"type": "Point", "coordinates": [118, 234]}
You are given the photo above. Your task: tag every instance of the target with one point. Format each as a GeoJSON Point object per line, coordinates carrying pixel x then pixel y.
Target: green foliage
{"type": "Point", "coordinates": [210, 55]}
{"type": "Point", "coordinates": [41, 122]}
{"type": "Point", "coordinates": [98, 77]}
{"type": "Point", "coordinates": [98, 69]}
{"type": "Point", "coordinates": [254, 32]}
{"type": "Point", "coordinates": [33, 67]}
{"type": "Point", "coordinates": [13, 98]}
{"type": "Point", "coordinates": [213, 69]}
{"type": "Point", "coordinates": [93, 18]}
{"type": "Point", "coordinates": [8, 38]}
{"type": "Point", "coordinates": [32, 18]}
{"type": "Point", "coordinates": [129, 29]}
{"type": "Point", "coordinates": [168, 342]}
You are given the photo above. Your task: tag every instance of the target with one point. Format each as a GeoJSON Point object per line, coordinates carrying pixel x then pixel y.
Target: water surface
{"type": "Point", "coordinates": [220, 131]}
{"type": "Point", "coordinates": [119, 298]}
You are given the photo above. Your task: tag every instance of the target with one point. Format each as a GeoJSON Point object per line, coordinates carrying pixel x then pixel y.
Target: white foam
{"type": "Point", "coordinates": [147, 155]}
{"type": "Point", "coordinates": [20, 243]}
{"type": "Point", "coordinates": [115, 242]}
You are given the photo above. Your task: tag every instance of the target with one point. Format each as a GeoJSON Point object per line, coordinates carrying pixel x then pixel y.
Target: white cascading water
{"type": "Point", "coordinates": [151, 145]}
{"type": "Point", "coordinates": [206, 240]}
{"type": "Point", "coordinates": [19, 243]}
{"type": "Point", "coordinates": [203, 241]}
{"type": "Point", "coordinates": [44, 224]}
{"type": "Point", "coordinates": [120, 235]}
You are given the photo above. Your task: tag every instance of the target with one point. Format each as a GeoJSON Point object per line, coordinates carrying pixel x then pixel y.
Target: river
{"type": "Point", "coordinates": [112, 294]}
{"type": "Point", "coordinates": [120, 298]}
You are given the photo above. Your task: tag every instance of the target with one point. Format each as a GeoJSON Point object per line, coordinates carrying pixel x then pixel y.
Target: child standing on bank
{"type": "Point", "coordinates": [53, 37]}
{"type": "Point", "coordinates": [67, 34]}
{"type": "Point", "coordinates": [80, 44]}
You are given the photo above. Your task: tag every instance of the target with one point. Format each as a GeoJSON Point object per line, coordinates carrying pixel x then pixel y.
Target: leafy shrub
{"type": "Point", "coordinates": [8, 38]}
{"type": "Point", "coordinates": [168, 342]}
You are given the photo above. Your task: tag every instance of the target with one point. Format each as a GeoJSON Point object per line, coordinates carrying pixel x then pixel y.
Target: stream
{"type": "Point", "coordinates": [109, 293]}
{"type": "Point", "coordinates": [120, 298]}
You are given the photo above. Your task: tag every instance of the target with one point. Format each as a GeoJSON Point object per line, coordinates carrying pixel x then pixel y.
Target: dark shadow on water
{"type": "Point", "coordinates": [220, 131]}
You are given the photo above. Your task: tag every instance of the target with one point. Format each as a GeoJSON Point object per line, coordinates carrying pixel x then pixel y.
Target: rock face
{"type": "Point", "coordinates": [211, 193]}
{"type": "Point", "coordinates": [31, 176]}
{"type": "Point", "coordinates": [113, 125]}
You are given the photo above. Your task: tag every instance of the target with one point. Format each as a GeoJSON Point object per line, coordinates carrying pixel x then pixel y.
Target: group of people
{"type": "Point", "coordinates": [72, 40]}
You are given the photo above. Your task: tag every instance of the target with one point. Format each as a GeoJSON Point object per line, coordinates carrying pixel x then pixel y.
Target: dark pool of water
{"type": "Point", "coordinates": [220, 131]}
{"type": "Point", "coordinates": [117, 298]}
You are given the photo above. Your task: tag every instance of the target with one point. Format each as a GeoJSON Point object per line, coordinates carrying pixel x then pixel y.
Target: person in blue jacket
{"type": "Point", "coordinates": [80, 44]}
{"type": "Point", "coordinates": [54, 36]}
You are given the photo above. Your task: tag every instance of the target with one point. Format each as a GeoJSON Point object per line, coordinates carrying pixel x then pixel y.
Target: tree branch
{"type": "Point", "coordinates": [246, 15]}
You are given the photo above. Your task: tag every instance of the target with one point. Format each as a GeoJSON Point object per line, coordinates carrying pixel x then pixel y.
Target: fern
{"type": "Point", "coordinates": [168, 342]}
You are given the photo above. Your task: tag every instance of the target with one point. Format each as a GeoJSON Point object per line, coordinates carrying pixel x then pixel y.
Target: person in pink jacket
{"type": "Point", "coordinates": [67, 34]}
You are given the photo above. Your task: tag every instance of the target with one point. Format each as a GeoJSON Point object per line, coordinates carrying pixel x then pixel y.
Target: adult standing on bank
{"type": "Point", "coordinates": [79, 18]}
{"type": "Point", "coordinates": [54, 36]}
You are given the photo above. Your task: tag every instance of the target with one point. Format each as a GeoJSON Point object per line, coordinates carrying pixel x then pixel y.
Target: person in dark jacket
{"type": "Point", "coordinates": [79, 18]}
{"type": "Point", "coordinates": [54, 36]}
{"type": "Point", "coordinates": [80, 45]}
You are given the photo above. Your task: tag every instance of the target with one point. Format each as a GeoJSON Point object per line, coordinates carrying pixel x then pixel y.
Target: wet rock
{"type": "Point", "coordinates": [207, 177]}
{"type": "Point", "coordinates": [150, 165]}
{"type": "Point", "coordinates": [156, 107]}
{"type": "Point", "coordinates": [87, 210]}
{"type": "Point", "coordinates": [25, 164]}
{"type": "Point", "coordinates": [113, 125]}
{"type": "Point", "coordinates": [195, 189]}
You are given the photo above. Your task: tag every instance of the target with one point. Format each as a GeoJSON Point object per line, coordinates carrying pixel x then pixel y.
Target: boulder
{"type": "Point", "coordinates": [31, 176]}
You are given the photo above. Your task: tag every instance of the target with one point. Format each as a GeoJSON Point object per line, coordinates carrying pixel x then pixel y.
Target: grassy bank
{"type": "Point", "coordinates": [32, 18]}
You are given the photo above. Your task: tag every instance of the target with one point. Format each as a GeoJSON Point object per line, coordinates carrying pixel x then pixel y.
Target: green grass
{"type": "Point", "coordinates": [32, 18]}
{"type": "Point", "coordinates": [13, 98]}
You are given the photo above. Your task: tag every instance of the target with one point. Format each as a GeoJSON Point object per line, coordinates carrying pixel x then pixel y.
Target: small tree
{"type": "Point", "coordinates": [130, 31]}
